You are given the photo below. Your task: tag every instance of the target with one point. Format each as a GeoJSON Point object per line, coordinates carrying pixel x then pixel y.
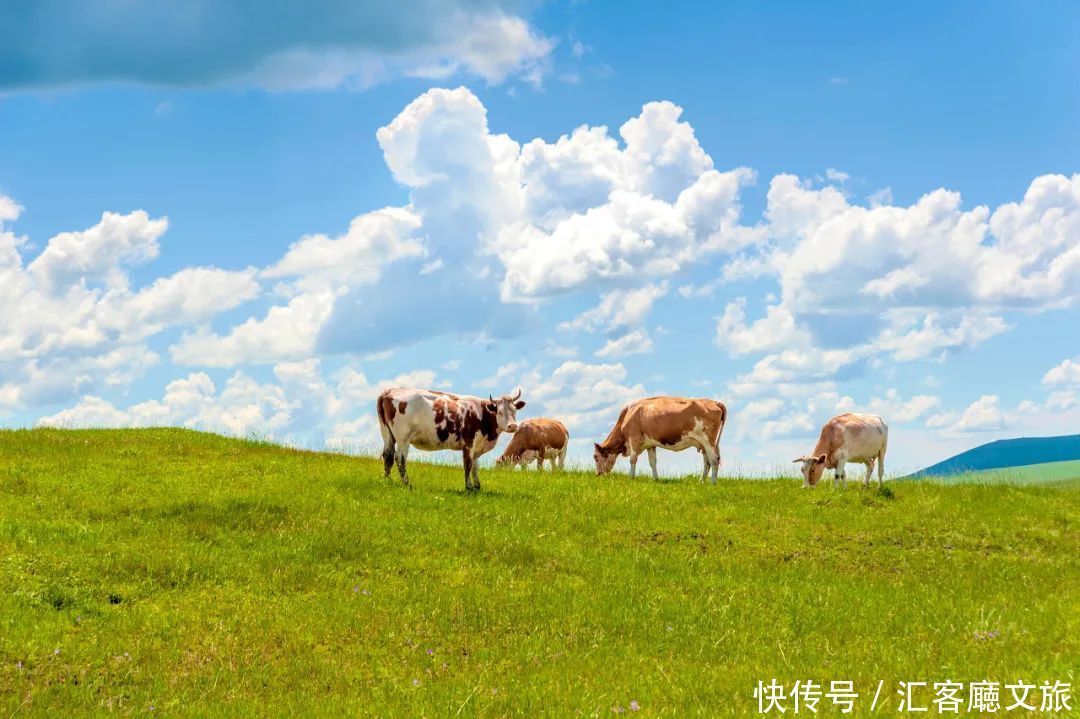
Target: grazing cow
{"type": "Point", "coordinates": [674, 423]}
{"type": "Point", "coordinates": [537, 439]}
{"type": "Point", "coordinates": [859, 438]}
{"type": "Point", "coordinates": [430, 420]}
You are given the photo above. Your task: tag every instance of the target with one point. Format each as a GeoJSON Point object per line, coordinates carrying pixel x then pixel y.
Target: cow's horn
{"type": "Point", "coordinates": [518, 395]}
{"type": "Point", "coordinates": [490, 398]}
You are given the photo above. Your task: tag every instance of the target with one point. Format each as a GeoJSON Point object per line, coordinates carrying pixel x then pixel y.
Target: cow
{"type": "Point", "coordinates": [430, 420]}
{"type": "Point", "coordinates": [537, 439]}
{"type": "Point", "coordinates": [858, 438]}
{"type": "Point", "coordinates": [674, 423]}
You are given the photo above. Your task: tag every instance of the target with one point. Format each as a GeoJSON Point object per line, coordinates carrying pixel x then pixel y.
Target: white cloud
{"type": "Point", "coordinates": [243, 406]}
{"type": "Point", "coordinates": [632, 343]}
{"type": "Point", "coordinates": [834, 175]}
{"type": "Point", "coordinates": [983, 415]}
{"type": "Point", "coordinates": [907, 339]}
{"type": "Point", "coordinates": [300, 402]}
{"type": "Point", "coordinates": [285, 332]}
{"type": "Point", "coordinates": [775, 331]}
{"type": "Point", "coordinates": [83, 326]}
{"type": "Point", "coordinates": [894, 409]}
{"type": "Point", "coordinates": [374, 240]}
{"type": "Point", "coordinates": [618, 308]}
{"type": "Point", "coordinates": [586, 397]}
{"type": "Point", "coordinates": [931, 254]}
{"type": "Point", "coordinates": [98, 252]}
{"type": "Point", "coordinates": [1066, 373]}
{"type": "Point", "coordinates": [9, 209]}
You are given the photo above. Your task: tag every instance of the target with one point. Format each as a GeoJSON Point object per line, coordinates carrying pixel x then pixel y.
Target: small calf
{"type": "Point", "coordinates": [536, 440]}
{"type": "Point", "coordinates": [859, 438]}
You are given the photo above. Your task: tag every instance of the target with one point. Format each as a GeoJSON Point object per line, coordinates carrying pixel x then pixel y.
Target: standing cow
{"type": "Point", "coordinates": [858, 438]}
{"type": "Point", "coordinates": [537, 439]}
{"type": "Point", "coordinates": [674, 423]}
{"type": "Point", "coordinates": [430, 420]}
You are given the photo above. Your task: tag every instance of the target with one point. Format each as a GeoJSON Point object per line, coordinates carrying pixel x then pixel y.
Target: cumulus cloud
{"type": "Point", "coordinates": [88, 328]}
{"type": "Point", "coordinates": [931, 254]}
{"type": "Point", "coordinates": [334, 44]}
{"type": "Point", "coordinates": [374, 240]}
{"type": "Point", "coordinates": [618, 309]}
{"type": "Point", "coordinates": [775, 331]}
{"type": "Point", "coordinates": [631, 343]}
{"type": "Point", "coordinates": [1065, 374]}
{"type": "Point", "coordinates": [300, 401]}
{"type": "Point", "coordinates": [587, 397]}
{"type": "Point", "coordinates": [983, 415]}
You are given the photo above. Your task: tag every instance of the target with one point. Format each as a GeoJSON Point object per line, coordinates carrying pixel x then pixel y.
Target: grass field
{"type": "Point", "coordinates": [179, 573]}
{"type": "Point", "coordinates": [1045, 473]}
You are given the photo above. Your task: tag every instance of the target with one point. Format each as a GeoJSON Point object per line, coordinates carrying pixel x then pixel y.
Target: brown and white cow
{"type": "Point", "coordinates": [858, 438]}
{"type": "Point", "coordinates": [431, 420]}
{"type": "Point", "coordinates": [537, 439]}
{"type": "Point", "coordinates": [674, 423]}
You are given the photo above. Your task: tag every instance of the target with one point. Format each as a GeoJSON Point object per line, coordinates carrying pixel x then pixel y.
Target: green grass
{"type": "Point", "coordinates": [189, 574]}
{"type": "Point", "coordinates": [1046, 473]}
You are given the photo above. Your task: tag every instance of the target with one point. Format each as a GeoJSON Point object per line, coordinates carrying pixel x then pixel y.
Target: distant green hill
{"type": "Point", "coordinates": [1044, 473]}
{"type": "Point", "coordinates": [1003, 453]}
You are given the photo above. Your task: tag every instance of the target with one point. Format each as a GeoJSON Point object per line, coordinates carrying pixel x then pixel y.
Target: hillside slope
{"type": "Point", "coordinates": [1045, 473]}
{"type": "Point", "coordinates": [1018, 452]}
{"type": "Point", "coordinates": [189, 574]}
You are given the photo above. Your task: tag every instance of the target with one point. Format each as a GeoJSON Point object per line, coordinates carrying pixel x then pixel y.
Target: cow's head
{"type": "Point", "coordinates": [605, 459]}
{"type": "Point", "coordinates": [812, 467]}
{"type": "Point", "coordinates": [505, 409]}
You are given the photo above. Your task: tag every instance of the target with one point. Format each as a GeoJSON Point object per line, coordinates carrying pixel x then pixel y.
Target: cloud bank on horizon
{"type": "Point", "coordinates": [496, 228]}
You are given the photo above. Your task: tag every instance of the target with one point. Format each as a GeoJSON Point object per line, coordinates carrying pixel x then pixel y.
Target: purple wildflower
{"type": "Point", "coordinates": [634, 706]}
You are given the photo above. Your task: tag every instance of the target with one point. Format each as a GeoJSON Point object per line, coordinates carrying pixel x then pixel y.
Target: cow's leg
{"type": "Point", "coordinates": [467, 463]}
{"type": "Point", "coordinates": [562, 459]}
{"type": "Point", "coordinates": [712, 461]}
{"type": "Point", "coordinates": [387, 453]}
{"type": "Point", "coordinates": [633, 463]}
{"type": "Point", "coordinates": [869, 472]}
{"type": "Point", "coordinates": [841, 474]}
{"type": "Point", "coordinates": [402, 457]}
{"type": "Point", "coordinates": [881, 469]}
{"type": "Point", "coordinates": [540, 463]}
{"type": "Point", "coordinates": [652, 463]}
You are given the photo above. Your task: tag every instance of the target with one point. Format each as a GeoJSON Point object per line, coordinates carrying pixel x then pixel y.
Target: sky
{"type": "Point", "coordinates": [246, 219]}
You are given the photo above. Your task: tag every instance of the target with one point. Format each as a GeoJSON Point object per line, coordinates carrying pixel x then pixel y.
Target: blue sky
{"type": "Point", "coordinates": [799, 210]}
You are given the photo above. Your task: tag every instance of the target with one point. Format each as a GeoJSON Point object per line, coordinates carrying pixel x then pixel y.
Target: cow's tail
{"type": "Point", "coordinates": [384, 424]}
{"type": "Point", "coordinates": [723, 419]}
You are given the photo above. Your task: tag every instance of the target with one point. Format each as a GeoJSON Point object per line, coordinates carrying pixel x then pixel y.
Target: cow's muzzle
{"type": "Point", "coordinates": [511, 428]}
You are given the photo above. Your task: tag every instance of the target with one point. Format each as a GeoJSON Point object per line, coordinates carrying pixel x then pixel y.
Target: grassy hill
{"type": "Point", "coordinates": [189, 574]}
{"type": "Point", "coordinates": [1019, 452]}
{"type": "Point", "coordinates": [1044, 473]}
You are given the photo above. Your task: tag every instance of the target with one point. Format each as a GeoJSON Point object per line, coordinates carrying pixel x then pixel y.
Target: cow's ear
{"type": "Point", "coordinates": [519, 404]}
{"type": "Point", "coordinates": [820, 459]}
{"type": "Point", "coordinates": [597, 446]}
{"type": "Point", "coordinates": [490, 406]}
